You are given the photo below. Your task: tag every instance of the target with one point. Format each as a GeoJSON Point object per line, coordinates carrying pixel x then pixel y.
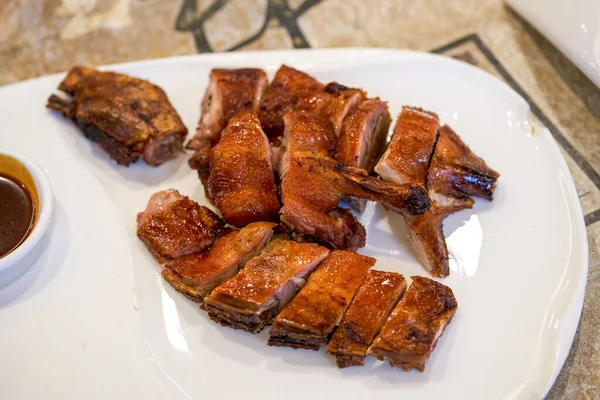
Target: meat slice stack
{"type": "Point", "coordinates": [229, 92]}
{"type": "Point", "coordinates": [375, 299]}
{"type": "Point", "coordinates": [421, 152]}
{"type": "Point", "coordinates": [414, 327]}
{"type": "Point", "coordinates": [174, 226]}
{"type": "Point", "coordinates": [313, 184]}
{"type": "Point", "coordinates": [128, 117]}
{"type": "Point", "coordinates": [241, 181]}
{"type": "Point", "coordinates": [198, 274]}
{"type": "Point", "coordinates": [309, 319]}
{"type": "Point", "coordinates": [251, 299]}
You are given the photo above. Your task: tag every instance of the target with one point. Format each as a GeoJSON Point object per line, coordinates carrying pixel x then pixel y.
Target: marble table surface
{"type": "Point", "coordinates": [38, 37]}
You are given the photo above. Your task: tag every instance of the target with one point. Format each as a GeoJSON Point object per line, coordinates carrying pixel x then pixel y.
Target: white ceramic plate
{"type": "Point", "coordinates": [92, 319]}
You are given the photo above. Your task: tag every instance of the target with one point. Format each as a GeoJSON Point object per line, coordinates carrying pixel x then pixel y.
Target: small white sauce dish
{"type": "Point", "coordinates": [44, 209]}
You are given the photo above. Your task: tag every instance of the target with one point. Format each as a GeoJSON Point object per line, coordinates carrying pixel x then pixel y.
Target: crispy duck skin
{"type": "Point", "coordinates": [229, 92]}
{"type": "Point", "coordinates": [241, 181]}
{"type": "Point", "coordinates": [455, 170]}
{"type": "Point", "coordinates": [313, 184]}
{"type": "Point", "coordinates": [128, 117]}
{"type": "Point", "coordinates": [251, 299]}
{"type": "Point", "coordinates": [174, 226]}
{"type": "Point", "coordinates": [412, 330]}
{"type": "Point", "coordinates": [407, 157]}
{"type": "Point", "coordinates": [427, 232]}
{"type": "Point", "coordinates": [374, 300]}
{"type": "Point", "coordinates": [197, 274]}
{"type": "Point", "coordinates": [312, 315]}
{"type": "Point", "coordinates": [342, 101]}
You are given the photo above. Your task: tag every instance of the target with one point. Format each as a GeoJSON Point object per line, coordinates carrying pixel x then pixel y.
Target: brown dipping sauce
{"type": "Point", "coordinates": [19, 204]}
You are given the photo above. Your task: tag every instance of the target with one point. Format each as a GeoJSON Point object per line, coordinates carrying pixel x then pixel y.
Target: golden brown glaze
{"type": "Point", "coordinates": [427, 232]}
{"type": "Point", "coordinates": [173, 226]}
{"type": "Point", "coordinates": [229, 92]}
{"type": "Point", "coordinates": [197, 274]}
{"type": "Point", "coordinates": [411, 332]}
{"type": "Point", "coordinates": [374, 301]}
{"type": "Point", "coordinates": [290, 90]}
{"type": "Point", "coordinates": [313, 314]}
{"type": "Point", "coordinates": [455, 170]}
{"type": "Point", "coordinates": [363, 135]}
{"type": "Point", "coordinates": [128, 117]}
{"type": "Point", "coordinates": [313, 184]}
{"type": "Point", "coordinates": [340, 103]}
{"type": "Point", "coordinates": [251, 299]}
{"type": "Point", "coordinates": [241, 182]}
{"type": "Point", "coordinates": [407, 157]}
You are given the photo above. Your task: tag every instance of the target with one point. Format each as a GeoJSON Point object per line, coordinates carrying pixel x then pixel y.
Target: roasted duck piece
{"type": "Point", "coordinates": [411, 332]}
{"type": "Point", "coordinates": [197, 274]}
{"type": "Point", "coordinates": [174, 226]}
{"type": "Point", "coordinates": [341, 102]}
{"type": "Point", "coordinates": [427, 232]}
{"type": "Point", "coordinates": [229, 92]}
{"type": "Point", "coordinates": [313, 184]}
{"type": "Point", "coordinates": [128, 117]}
{"type": "Point", "coordinates": [407, 157]}
{"type": "Point", "coordinates": [363, 135]}
{"type": "Point", "coordinates": [312, 315]}
{"type": "Point", "coordinates": [375, 299]}
{"type": "Point", "coordinates": [455, 170]}
{"type": "Point", "coordinates": [251, 299]}
{"type": "Point", "coordinates": [241, 181]}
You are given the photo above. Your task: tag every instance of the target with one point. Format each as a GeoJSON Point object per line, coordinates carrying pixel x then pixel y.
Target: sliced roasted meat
{"type": "Point", "coordinates": [313, 184]}
{"type": "Point", "coordinates": [375, 299]}
{"type": "Point", "coordinates": [241, 181]}
{"type": "Point", "coordinates": [364, 134]}
{"type": "Point", "coordinates": [174, 226]}
{"type": "Point", "coordinates": [412, 330]}
{"type": "Point", "coordinates": [427, 233]}
{"type": "Point", "coordinates": [197, 274]}
{"type": "Point", "coordinates": [312, 315]}
{"type": "Point", "coordinates": [456, 170]}
{"type": "Point", "coordinates": [290, 90]}
{"type": "Point", "coordinates": [407, 157]}
{"type": "Point", "coordinates": [128, 117]}
{"type": "Point", "coordinates": [251, 299]}
{"type": "Point", "coordinates": [342, 101]}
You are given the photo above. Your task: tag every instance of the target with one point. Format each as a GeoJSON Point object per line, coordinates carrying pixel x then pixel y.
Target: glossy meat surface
{"type": "Point", "coordinates": [174, 226]}
{"type": "Point", "coordinates": [241, 181]}
{"type": "Point", "coordinates": [128, 117]}
{"type": "Point", "coordinates": [251, 299]}
{"type": "Point", "coordinates": [412, 330]}
{"type": "Point", "coordinates": [455, 170]}
{"type": "Point", "coordinates": [363, 135]}
{"type": "Point", "coordinates": [374, 300]}
{"type": "Point", "coordinates": [407, 157]}
{"type": "Point", "coordinates": [427, 232]}
{"type": "Point", "coordinates": [313, 184]}
{"type": "Point", "coordinates": [197, 274]}
{"type": "Point", "coordinates": [313, 314]}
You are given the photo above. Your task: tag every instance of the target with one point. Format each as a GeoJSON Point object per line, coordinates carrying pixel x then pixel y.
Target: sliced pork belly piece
{"type": "Point", "coordinates": [290, 90]}
{"type": "Point", "coordinates": [312, 315]}
{"type": "Point", "coordinates": [364, 134]}
{"type": "Point", "coordinates": [174, 226]}
{"type": "Point", "coordinates": [412, 330]}
{"type": "Point", "coordinates": [197, 274]}
{"type": "Point", "coordinates": [241, 181]}
{"type": "Point", "coordinates": [456, 170]}
{"type": "Point", "coordinates": [427, 233]}
{"type": "Point", "coordinates": [407, 157]}
{"type": "Point", "coordinates": [229, 92]}
{"type": "Point", "coordinates": [313, 183]}
{"type": "Point", "coordinates": [375, 299]}
{"type": "Point", "coordinates": [250, 300]}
